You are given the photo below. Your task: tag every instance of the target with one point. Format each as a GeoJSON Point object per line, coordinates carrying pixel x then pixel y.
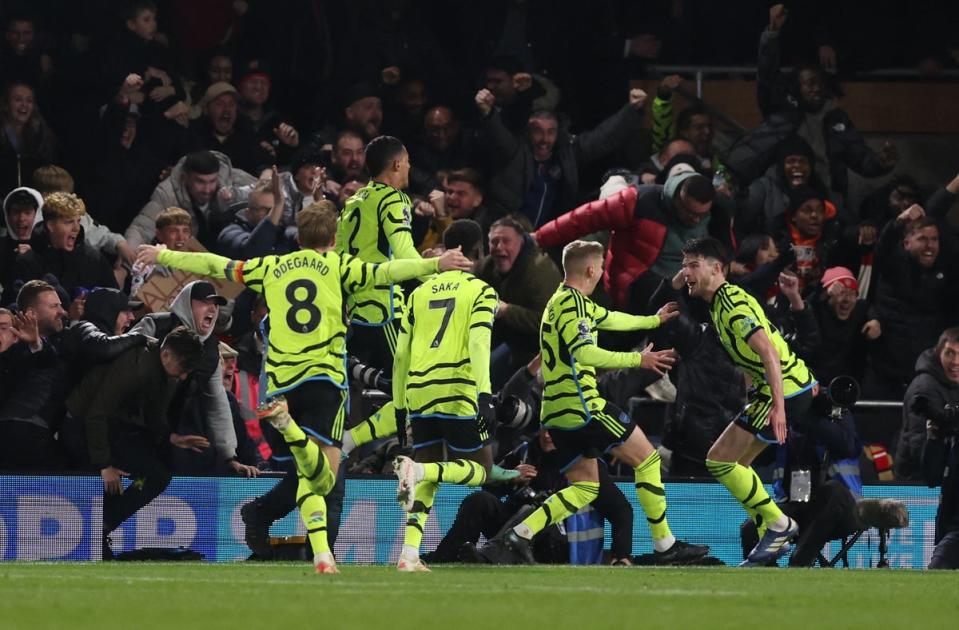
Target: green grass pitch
{"type": "Point", "coordinates": [268, 596]}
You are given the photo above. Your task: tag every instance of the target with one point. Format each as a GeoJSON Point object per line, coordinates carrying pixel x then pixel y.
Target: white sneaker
{"type": "Point", "coordinates": [325, 563]}
{"type": "Point", "coordinates": [405, 565]}
{"type": "Point", "coordinates": [405, 469]}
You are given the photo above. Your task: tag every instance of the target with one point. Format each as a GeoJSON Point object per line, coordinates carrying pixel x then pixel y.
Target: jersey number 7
{"type": "Point", "coordinates": [449, 304]}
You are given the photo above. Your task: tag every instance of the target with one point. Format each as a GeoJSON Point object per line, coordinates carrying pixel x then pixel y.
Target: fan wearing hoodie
{"type": "Point", "coordinates": [196, 306]}
{"type": "Point", "coordinates": [58, 247]}
{"type": "Point", "coordinates": [21, 213]}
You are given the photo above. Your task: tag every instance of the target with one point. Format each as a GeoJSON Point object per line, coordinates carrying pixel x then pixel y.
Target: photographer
{"type": "Point", "coordinates": [940, 455]}
{"type": "Point", "coordinates": [537, 475]}
{"type": "Point", "coordinates": [935, 385]}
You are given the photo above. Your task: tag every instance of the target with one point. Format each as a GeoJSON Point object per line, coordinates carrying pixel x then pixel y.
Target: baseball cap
{"type": "Point", "coordinates": [203, 290]}
{"type": "Point", "coordinates": [217, 90]}
{"type": "Point", "coordinates": [842, 275]}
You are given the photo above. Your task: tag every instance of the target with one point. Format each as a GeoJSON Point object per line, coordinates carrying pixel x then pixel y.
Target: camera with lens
{"type": "Point", "coordinates": [841, 395]}
{"type": "Point", "coordinates": [526, 496]}
{"type": "Point", "coordinates": [368, 376]}
{"type": "Point", "coordinates": [945, 418]}
{"type": "Point", "coordinates": [514, 414]}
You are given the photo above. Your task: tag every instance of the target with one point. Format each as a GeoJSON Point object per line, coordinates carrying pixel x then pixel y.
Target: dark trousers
{"type": "Point", "coordinates": [135, 452]}
{"type": "Point", "coordinates": [946, 553]}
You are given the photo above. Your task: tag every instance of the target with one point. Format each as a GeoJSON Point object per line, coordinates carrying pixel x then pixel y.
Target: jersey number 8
{"type": "Point", "coordinates": [300, 304]}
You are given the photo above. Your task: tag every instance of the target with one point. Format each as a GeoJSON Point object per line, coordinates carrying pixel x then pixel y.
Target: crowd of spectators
{"type": "Point", "coordinates": [210, 125]}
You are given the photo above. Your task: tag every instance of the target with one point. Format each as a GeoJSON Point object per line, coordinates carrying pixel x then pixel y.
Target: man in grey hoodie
{"type": "Point", "coordinates": [202, 183]}
{"type": "Point", "coordinates": [196, 307]}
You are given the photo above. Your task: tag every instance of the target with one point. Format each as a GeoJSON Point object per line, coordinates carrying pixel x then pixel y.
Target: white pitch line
{"type": "Point", "coordinates": [392, 586]}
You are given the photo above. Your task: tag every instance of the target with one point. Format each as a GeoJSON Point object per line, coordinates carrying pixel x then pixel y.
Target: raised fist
{"type": "Point", "coordinates": [637, 98]}
{"type": "Point", "coordinates": [485, 101]}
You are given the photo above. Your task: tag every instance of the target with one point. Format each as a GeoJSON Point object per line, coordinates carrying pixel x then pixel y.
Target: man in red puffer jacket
{"type": "Point", "coordinates": [648, 226]}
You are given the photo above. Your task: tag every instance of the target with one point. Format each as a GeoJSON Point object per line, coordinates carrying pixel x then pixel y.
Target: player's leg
{"type": "Point", "coordinates": [741, 441]}
{"type": "Point", "coordinates": [470, 461]}
{"type": "Point", "coordinates": [424, 493]}
{"type": "Point", "coordinates": [379, 425]}
{"type": "Point", "coordinates": [380, 346]}
{"type": "Point", "coordinates": [577, 452]}
{"type": "Point", "coordinates": [635, 450]}
{"type": "Point", "coordinates": [469, 457]}
{"type": "Point", "coordinates": [315, 447]}
{"type": "Point", "coordinates": [583, 488]}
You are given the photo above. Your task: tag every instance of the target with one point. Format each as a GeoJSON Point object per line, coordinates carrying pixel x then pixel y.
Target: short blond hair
{"type": "Point", "coordinates": [63, 205]}
{"type": "Point", "coordinates": [52, 178]}
{"type": "Point", "coordinates": [173, 216]}
{"type": "Point", "coordinates": [316, 224]}
{"type": "Point", "coordinates": [577, 253]}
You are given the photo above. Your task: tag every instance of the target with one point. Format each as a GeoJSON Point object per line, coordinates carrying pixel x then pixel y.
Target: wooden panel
{"type": "Point", "coordinates": [874, 107]}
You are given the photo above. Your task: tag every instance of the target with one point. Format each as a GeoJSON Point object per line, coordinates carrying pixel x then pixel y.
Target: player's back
{"type": "Point", "coordinates": [440, 315]}
{"type": "Point", "coordinates": [307, 334]}
{"type": "Point", "coordinates": [369, 218]}
{"type": "Point", "coordinates": [737, 315]}
{"type": "Point", "coordinates": [569, 393]}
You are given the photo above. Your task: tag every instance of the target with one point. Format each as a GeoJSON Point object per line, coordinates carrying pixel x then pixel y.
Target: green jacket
{"type": "Point", "coordinates": [526, 288]}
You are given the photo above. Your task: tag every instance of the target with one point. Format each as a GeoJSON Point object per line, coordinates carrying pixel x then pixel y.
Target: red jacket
{"type": "Point", "coordinates": [636, 220]}
{"type": "Point", "coordinates": [634, 244]}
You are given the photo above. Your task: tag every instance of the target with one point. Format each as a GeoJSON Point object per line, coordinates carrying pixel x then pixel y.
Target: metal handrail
{"type": "Point", "coordinates": [880, 72]}
{"type": "Point", "coordinates": [860, 404]}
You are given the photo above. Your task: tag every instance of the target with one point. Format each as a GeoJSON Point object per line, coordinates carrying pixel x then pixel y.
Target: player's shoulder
{"type": "Point", "coordinates": [731, 296]}
{"type": "Point", "coordinates": [573, 304]}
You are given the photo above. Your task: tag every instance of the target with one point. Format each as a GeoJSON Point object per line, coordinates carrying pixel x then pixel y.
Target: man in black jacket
{"type": "Point", "coordinates": [940, 454]}
{"type": "Point", "coordinates": [918, 286]}
{"type": "Point", "coordinates": [540, 172]}
{"type": "Point", "coordinates": [123, 408]}
{"type": "Point", "coordinates": [935, 386]}
{"type": "Point", "coordinates": [26, 431]}
{"type": "Point", "coordinates": [99, 338]}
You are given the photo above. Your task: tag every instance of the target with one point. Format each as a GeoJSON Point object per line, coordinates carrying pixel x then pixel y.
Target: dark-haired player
{"type": "Point", "coordinates": [441, 383]}
{"type": "Point", "coordinates": [782, 390]}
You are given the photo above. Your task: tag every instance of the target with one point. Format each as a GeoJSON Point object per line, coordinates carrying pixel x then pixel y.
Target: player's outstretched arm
{"type": "Point", "coordinates": [594, 356]}
{"type": "Point", "coordinates": [617, 320]}
{"type": "Point", "coordinates": [200, 263]}
{"type": "Point", "coordinates": [409, 269]}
